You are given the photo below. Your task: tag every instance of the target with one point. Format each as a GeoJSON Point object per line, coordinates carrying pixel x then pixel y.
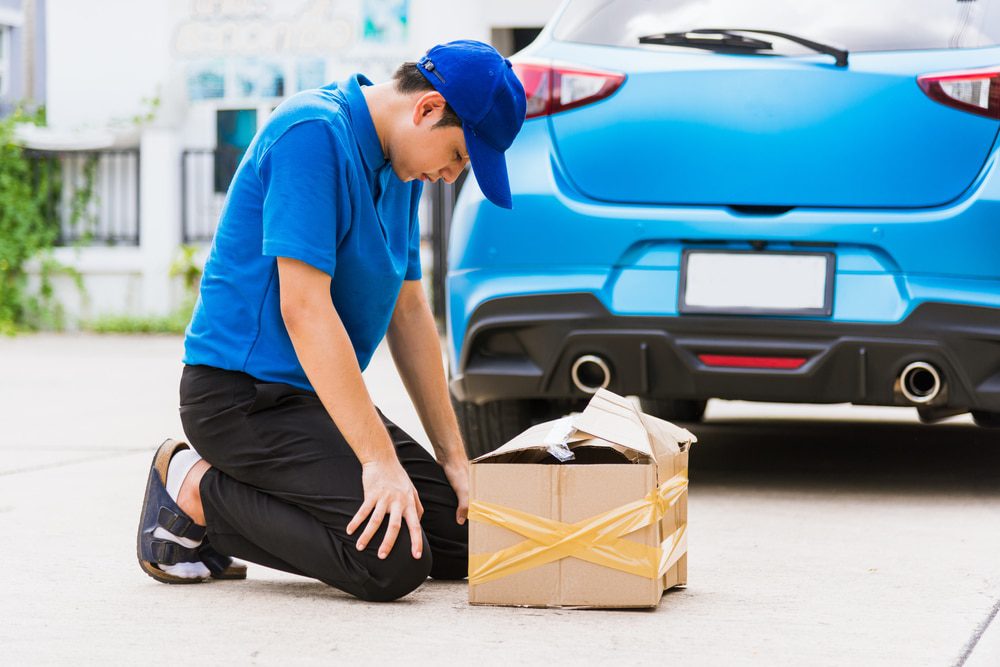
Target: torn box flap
{"type": "Point", "coordinates": [666, 439]}
{"type": "Point", "coordinates": [537, 437]}
{"type": "Point", "coordinates": [614, 418]}
{"type": "Point", "coordinates": [664, 430]}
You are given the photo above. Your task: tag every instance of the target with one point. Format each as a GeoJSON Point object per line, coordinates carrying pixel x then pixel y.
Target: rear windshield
{"type": "Point", "coordinates": [857, 25]}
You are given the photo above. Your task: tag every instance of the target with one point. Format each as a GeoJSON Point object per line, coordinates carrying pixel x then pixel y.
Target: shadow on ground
{"type": "Point", "coordinates": [857, 456]}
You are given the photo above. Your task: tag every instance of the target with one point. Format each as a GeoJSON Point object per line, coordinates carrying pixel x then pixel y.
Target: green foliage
{"type": "Point", "coordinates": [174, 323]}
{"type": "Point", "coordinates": [79, 203]}
{"type": "Point", "coordinates": [26, 232]}
{"type": "Point", "coordinates": [188, 269]}
{"type": "Point", "coordinates": [148, 114]}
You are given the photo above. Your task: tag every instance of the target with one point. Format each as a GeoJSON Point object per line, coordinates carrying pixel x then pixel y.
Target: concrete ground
{"type": "Point", "coordinates": [818, 536]}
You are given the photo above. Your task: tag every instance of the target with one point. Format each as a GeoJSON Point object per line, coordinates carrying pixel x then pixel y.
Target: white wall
{"type": "Point", "coordinates": [103, 57]}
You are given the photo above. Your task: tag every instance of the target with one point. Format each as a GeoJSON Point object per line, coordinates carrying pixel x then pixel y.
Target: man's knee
{"type": "Point", "coordinates": [392, 584]}
{"type": "Point", "coordinates": [399, 574]}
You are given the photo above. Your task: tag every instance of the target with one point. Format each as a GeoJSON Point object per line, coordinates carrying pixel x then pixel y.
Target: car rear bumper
{"type": "Point", "coordinates": [525, 346]}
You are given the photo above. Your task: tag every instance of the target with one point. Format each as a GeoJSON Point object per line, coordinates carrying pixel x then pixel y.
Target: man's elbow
{"type": "Point", "coordinates": [411, 300]}
{"type": "Point", "coordinates": [296, 313]}
{"type": "Point", "coordinates": [404, 318]}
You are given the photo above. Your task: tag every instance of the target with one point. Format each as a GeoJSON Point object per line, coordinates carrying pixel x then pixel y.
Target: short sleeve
{"type": "Point", "coordinates": [413, 269]}
{"type": "Point", "coordinates": [307, 204]}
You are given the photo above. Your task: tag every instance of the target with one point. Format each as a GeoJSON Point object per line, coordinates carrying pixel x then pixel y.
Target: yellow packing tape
{"type": "Point", "coordinates": [595, 540]}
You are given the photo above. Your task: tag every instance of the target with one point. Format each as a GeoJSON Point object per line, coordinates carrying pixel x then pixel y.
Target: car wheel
{"type": "Point", "coordinates": [485, 427]}
{"type": "Point", "coordinates": [987, 419]}
{"type": "Point", "coordinates": [674, 409]}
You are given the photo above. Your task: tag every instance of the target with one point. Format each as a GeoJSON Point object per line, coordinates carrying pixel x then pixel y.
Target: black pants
{"type": "Point", "coordinates": [284, 484]}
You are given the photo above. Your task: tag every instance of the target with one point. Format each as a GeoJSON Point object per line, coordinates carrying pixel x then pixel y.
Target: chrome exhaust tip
{"type": "Point", "coordinates": [920, 382]}
{"type": "Point", "coordinates": [590, 373]}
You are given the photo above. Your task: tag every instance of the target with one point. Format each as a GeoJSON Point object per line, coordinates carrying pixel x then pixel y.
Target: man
{"type": "Point", "coordinates": [315, 260]}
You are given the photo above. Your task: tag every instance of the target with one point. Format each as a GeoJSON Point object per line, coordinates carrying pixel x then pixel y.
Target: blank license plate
{"type": "Point", "coordinates": [756, 283]}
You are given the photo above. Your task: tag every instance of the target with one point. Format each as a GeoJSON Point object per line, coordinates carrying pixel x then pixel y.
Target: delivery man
{"type": "Point", "coordinates": [315, 260]}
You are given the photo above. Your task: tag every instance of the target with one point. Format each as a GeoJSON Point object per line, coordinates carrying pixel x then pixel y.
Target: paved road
{"type": "Point", "coordinates": [818, 535]}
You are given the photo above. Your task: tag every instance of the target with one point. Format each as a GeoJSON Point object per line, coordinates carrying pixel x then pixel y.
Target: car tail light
{"type": "Point", "coordinates": [554, 88]}
{"type": "Point", "coordinates": [976, 90]}
{"type": "Point", "coordinates": [742, 361]}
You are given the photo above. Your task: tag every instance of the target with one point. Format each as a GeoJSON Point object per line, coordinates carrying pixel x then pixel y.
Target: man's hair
{"type": "Point", "coordinates": [408, 79]}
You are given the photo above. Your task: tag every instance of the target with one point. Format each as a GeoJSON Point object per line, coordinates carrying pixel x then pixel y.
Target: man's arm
{"type": "Point", "coordinates": [416, 350]}
{"type": "Point", "coordinates": [327, 356]}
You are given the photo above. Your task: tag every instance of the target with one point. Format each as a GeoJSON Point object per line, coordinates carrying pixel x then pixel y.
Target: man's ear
{"type": "Point", "coordinates": [429, 107]}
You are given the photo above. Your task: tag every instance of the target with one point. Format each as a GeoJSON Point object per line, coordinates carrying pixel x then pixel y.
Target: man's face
{"type": "Point", "coordinates": [424, 152]}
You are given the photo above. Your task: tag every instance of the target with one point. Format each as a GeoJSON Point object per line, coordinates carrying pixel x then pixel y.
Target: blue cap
{"type": "Point", "coordinates": [479, 84]}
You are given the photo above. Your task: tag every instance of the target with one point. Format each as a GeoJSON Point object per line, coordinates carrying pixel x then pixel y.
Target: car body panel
{"type": "Point", "coordinates": [798, 131]}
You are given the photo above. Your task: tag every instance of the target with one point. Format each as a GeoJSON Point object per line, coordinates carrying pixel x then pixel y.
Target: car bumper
{"type": "Point", "coordinates": [525, 346]}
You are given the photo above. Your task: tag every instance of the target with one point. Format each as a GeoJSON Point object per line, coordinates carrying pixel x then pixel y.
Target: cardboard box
{"type": "Point", "coordinates": [605, 529]}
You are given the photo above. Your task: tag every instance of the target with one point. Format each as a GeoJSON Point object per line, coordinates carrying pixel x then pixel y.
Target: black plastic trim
{"type": "Point", "coordinates": [657, 357]}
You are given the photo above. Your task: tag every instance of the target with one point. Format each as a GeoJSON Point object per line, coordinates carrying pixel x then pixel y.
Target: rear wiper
{"type": "Point", "coordinates": [724, 39]}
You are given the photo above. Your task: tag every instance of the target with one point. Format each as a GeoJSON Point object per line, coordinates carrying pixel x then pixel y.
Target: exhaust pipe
{"type": "Point", "coordinates": [920, 382]}
{"type": "Point", "coordinates": [590, 373]}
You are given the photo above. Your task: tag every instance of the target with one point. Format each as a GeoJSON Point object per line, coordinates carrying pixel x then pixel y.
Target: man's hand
{"type": "Point", "coordinates": [458, 476]}
{"type": "Point", "coordinates": [388, 490]}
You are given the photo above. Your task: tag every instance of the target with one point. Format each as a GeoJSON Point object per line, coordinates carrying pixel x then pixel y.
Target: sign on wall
{"type": "Point", "coordinates": [259, 28]}
{"type": "Point", "coordinates": [258, 49]}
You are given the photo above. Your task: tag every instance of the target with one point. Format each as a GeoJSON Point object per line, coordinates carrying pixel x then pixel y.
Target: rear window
{"type": "Point", "coordinates": [857, 25]}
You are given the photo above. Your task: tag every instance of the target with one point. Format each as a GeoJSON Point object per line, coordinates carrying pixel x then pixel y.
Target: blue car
{"type": "Point", "coordinates": [765, 201]}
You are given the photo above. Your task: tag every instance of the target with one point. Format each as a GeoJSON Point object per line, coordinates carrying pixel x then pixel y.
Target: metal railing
{"type": "Point", "coordinates": [95, 195]}
{"type": "Point", "coordinates": [201, 201]}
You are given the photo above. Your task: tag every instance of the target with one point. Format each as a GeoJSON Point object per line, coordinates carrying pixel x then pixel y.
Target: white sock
{"type": "Point", "coordinates": [180, 466]}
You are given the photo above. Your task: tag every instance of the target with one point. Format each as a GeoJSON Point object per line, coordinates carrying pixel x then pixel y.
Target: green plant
{"type": "Point", "coordinates": [186, 267]}
{"type": "Point", "coordinates": [151, 106]}
{"type": "Point", "coordinates": [175, 323]}
{"type": "Point", "coordinates": [80, 200]}
{"type": "Point", "coordinates": [27, 231]}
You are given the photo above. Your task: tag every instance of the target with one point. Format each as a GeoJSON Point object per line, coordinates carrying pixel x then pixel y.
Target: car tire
{"type": "Point", "coordinates": [674, 409]}
{"type": "Point", "coordinates": [485, 427]}
{"type": "Point", "coordinates": [986, 419]}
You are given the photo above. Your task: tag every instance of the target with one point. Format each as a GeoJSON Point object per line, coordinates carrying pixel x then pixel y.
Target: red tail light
{"type": "Point", "coordinates": [741, 361]}
{"type": "Point", "coordinates": [554, 88]}
{"type": "Point", "coordinates": [976, 90]}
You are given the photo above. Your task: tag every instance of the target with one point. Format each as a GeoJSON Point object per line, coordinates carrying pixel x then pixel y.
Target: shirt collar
{"type": "Point", "coordinates": [361, 119]}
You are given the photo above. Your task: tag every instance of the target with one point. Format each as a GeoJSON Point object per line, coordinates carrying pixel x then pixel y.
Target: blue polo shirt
{"type": "Point", "coordinates": [315, 186]}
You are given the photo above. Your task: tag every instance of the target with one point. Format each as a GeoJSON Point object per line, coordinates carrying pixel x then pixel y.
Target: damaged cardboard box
{"type": "Point", "coordinates": [585, 511]}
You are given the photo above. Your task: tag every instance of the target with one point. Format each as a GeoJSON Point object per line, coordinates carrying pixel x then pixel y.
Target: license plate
{"type": "Point", "coordinates": [756, 283]}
